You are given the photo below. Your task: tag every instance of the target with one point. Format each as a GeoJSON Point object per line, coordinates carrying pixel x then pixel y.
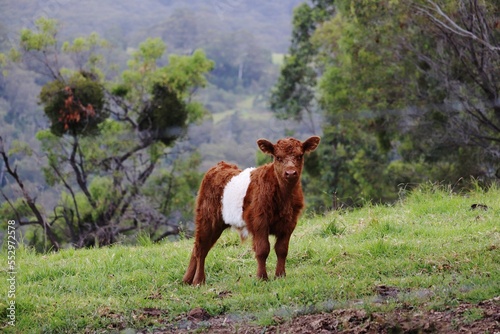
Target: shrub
{"type": "Point", "coordinates": [74, 106]}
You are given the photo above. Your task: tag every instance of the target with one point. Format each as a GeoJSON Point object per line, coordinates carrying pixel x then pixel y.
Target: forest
{"type": "Point", "coordinates": [110, 114]}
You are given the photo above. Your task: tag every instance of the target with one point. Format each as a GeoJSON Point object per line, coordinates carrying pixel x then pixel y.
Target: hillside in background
{"type": "Point", "coordinates": [125, 21]}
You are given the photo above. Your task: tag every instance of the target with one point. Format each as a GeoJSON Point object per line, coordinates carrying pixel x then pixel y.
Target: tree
{"type": "Point", "coordinates": [174, 190]}
{"type": "Point", "coordinates": [294, 92]}
{"type": "Point", "coordinates": [240, 61]}
{"type": "Point", "coordinates": [106, 136]}
{"type": "Point", "coordinates": [466, 67]}
{"type": "Point", "coordinates": [408, 92]}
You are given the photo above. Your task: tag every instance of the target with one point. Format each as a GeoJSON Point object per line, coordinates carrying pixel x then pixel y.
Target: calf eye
{"type": "Point", "coordinates": [278, 159]}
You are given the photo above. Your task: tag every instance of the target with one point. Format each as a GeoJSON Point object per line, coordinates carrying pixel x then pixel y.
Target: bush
{"type": "Point", "coordinates": [75, 106]}
{"type": "Point", "coordinates": [165, 117]}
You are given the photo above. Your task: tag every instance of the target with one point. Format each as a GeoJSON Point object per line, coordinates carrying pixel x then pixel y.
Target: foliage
{"type": "Point", "coordinates": [293, 93]}
{"type": "Point", "coordinates": [240, 62]}
{"type": "Point", "coordinates": [404, 101]}
{"type": "Point", "coordinates": [41, 40]}
{"type": "Point", "coordinates": [173, 192]}
{"type": "Point", "coordinates": [431, 247]}
{"type": "Point", "coordinates": [106, 136]}
{"type": "Point", "coordinates": [74, 107]}
{"type": "Point", "coordinates": [466, 69]}
{"type": "Point", "coordinates": [165, 117]}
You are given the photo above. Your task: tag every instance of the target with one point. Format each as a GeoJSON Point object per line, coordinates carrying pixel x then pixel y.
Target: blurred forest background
{"type": "Point", "coordinates": [110, 113]}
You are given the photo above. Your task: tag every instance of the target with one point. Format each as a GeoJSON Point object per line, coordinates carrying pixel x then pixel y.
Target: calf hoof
{"type": "Point", "coordinates": [197, 282]}
{"type": "Point", "coordinates": [263, 277]}
{"type": "Point", "coordinates": [278, 276]}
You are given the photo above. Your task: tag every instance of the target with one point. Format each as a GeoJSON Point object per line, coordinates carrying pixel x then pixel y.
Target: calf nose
{"type": "Point", "coordinates": [290, 173]}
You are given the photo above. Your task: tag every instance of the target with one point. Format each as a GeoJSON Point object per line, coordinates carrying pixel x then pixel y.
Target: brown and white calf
{"type": "Point", "coordinates": [259, 201]}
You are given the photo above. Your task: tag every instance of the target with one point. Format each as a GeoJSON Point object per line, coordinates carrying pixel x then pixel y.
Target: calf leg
{"type": "Point", "coordinates": [281, 248]}
{"type": "Point", "coordinates": [206, 245]}
{"type": "Point", "coordinates": [191, 270]}
{"type": "Point", "coordinates": [261, 247]}
{"type": "Point", "coordinates": [204, 240]}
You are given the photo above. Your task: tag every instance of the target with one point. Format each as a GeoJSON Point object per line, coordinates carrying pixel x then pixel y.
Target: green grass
{"type": "Point", "coordinates": [432, 247]}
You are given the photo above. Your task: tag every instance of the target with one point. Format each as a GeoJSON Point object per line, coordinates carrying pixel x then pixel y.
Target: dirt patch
{"type": "Point", "coordinates": [465, 318]}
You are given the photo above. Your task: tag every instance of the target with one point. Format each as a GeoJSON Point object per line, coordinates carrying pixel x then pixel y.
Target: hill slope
{"type": "Point", "coordinates": [270, 21]}
{"type": "Point", "coordinates": [431, 251]}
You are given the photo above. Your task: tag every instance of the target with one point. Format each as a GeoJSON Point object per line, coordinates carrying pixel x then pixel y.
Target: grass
{"type": "Point", "coordinates": [432, 247]}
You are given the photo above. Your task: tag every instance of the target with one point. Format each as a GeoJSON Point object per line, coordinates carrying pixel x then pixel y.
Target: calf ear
{"type": "Point", "coordinates": [266, 146]}
{"type": "Point", "coordinates": [310, 144]}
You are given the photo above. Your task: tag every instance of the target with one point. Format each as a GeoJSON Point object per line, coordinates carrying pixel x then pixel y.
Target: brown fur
{"type": "Point", "coordinates": [271, 206]}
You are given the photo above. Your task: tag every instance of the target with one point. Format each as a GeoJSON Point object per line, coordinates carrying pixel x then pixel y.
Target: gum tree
{"type": "Point", "coordinates": [107, 132]}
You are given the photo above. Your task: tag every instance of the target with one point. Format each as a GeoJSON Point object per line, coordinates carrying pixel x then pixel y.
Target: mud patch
{"type": "Point", "coordinates": [465, 318]}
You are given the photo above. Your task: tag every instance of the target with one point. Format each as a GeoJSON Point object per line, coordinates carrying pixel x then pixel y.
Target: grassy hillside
{"type": "Point", "coordinates": [432, 248]}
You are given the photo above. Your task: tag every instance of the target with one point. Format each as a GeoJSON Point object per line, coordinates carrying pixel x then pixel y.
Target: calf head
{"type": "Point", "coordinates": [288, 156]}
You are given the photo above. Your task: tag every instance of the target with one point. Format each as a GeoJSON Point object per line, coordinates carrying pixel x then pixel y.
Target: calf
{"type": "Point", "coordinates": [261, 201]}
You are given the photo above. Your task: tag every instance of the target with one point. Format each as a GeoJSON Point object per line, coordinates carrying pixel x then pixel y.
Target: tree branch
{"type": "Point", "coordinates": [175, 230]}
{"type": "Point", "coordinates": [18, 216]}
{"type": "Point", "coordinates": [75, 204]}
{"type": "Point", "coordinates": [450, 25]}
{"type": "Point", "coordinates": [80, 175]}
{"type": "Point", "coordinates": [29, 200]}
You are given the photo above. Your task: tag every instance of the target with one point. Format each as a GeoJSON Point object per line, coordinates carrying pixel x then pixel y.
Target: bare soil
{"type": "Point", "coordinates": [464, 318]}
